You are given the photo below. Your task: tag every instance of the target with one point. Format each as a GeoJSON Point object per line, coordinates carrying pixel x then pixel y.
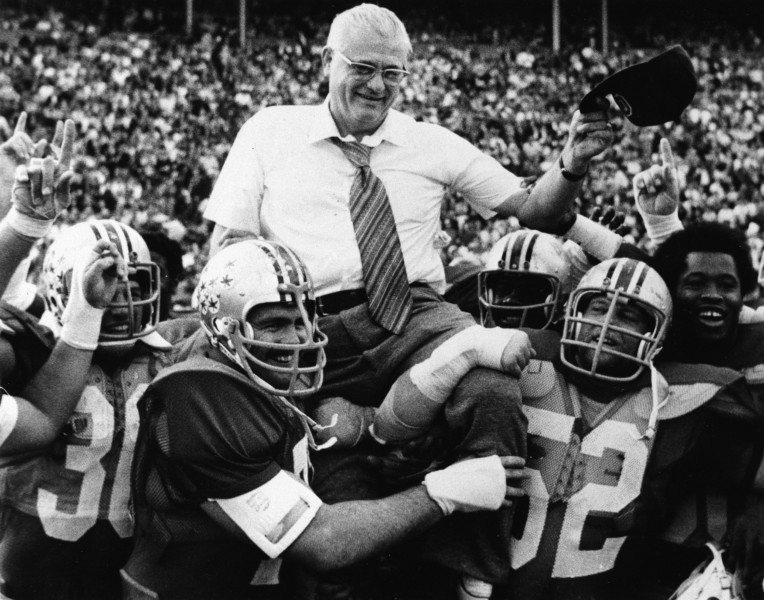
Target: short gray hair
{"type": "Point", "coordinates": [382, 20]}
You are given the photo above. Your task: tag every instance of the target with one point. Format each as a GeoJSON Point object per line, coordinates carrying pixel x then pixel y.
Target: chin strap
{"type": "Point", "coordinates": [660, 396]}
{"type": "Point", "coordinates": [309, 425]}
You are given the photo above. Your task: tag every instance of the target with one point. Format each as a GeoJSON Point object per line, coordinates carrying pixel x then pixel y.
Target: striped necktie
{"type": "Point", "coordinates": [384, 271]}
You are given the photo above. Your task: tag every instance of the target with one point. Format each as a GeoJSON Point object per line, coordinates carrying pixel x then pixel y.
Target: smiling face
{"type": "Point", "coordinates": [116, 319]}
{"type": "Point", "coordinates": [359, 107]}
{"type": "Point", "coordinates": [709, 297]}
{"type": "Point", "coordinates": [626, 315]}
{"type": "Point", "coordinates": [275, 323]}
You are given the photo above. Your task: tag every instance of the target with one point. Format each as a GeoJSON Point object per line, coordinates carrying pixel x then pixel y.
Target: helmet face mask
{"type": "Point", "coordinates": [518, 299]}
{"type": "Point", "coordinates": [134, 311]}
{"type": "Point", "coordinates": [525, 281]}
{"type": "Point", "coordinates": [245, 280]}
{"type": "Point", "coordinates": [616, 321]}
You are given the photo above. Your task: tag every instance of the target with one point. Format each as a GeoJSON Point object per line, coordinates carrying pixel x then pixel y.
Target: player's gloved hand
{"type": "Point", "coordinates": [95, 277]}
{"type": "Point", "coordinates": [41, 186]}
{"type": "Point", "coordinates": [474, 484]}
{"type": "Point", "coordinates": [352, 424]}
{"type": "Point", "coordinates": [611, 219]}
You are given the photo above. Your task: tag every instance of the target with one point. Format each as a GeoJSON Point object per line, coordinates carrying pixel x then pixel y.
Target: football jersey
{"type": "Point", "coordinates": [209, 433]}
{"type": "Point", "coordinates": [598, 484]}
{"type": "Point", "coordinates": [31, 342]}
{"type": "Point", "coordinates": [84, 476]}
{"type": "Point", "coordinates": [705, 513]}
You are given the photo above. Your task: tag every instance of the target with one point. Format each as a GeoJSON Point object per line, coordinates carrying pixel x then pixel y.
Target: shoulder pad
{"type": "Point", "coordinates": [692, 386]}
{"type": "Point", "coordinates": [200, 364]}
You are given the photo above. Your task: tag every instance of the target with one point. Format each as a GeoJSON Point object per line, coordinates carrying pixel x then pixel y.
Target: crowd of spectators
{"type": "Point", "coordinates": [156, 115]}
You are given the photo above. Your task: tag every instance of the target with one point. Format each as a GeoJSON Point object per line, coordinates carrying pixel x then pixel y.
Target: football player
{"type": "Point", "coordinates": [222, 468]}
{"type": "Point", "coordinates": [66, 526]}
{"type": "Point", "coordinates": [525, 282]}
{"type": "Point", "coordinates": [612, 440]}
{"type": "Point", "coordinates": [708, 270]}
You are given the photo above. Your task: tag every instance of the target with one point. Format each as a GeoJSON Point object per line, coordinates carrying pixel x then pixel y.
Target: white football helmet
{"type": "Point", "coordinates": [253, 272]}
{"type": "Point", "coordinates": [525, 281]}
{"type": "Point", "coordinates": [619, 280]}
{"type": "Point", "coordinates": [59, 262]}
{"type": "Point", "coordinates": [710, 581]}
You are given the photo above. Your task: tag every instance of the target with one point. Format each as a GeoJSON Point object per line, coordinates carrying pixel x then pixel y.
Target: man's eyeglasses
{"type": "Point", "coordinates": [365, 72]}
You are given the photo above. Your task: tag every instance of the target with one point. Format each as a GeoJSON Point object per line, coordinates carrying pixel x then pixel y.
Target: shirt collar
{"type": "Point", "coordinates": [394, 128]}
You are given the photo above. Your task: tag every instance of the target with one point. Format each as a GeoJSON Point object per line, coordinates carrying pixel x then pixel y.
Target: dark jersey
{"type": "Point", "coordinates": [706, 512]}
{"type": "Point", "coordinates": [208, 433]}
{"type": "Point", "coordinates": [599, 485]}
{"type": "Point", "coordinates": [31, 342]}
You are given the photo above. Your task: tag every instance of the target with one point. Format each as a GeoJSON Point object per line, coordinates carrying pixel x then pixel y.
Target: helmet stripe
{"type": "Point", "coordinates": [640, 274]}
{"type": "Point", "coordinates": [613, 273]}
{"type": "Point", "coordinates": [515, 251]}
{"type": "Point", "coordinates": [278, 268]}
{"type": "Point", "coordinates": [528, 251]}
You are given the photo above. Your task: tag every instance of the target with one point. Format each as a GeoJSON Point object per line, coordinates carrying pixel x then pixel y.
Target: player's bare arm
{"type": "Point", "coordinates": [38, 194]}
{"type": "Point", "coordinates": [34, 418]}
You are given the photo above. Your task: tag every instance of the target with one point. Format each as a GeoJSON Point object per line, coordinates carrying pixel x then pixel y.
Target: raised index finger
{"type": "Point", "coordinates": [667, 156]}
{"type": "Point", "coordinates": [21, 124]}
{"type": "Point", "coordinates": [65, 158]}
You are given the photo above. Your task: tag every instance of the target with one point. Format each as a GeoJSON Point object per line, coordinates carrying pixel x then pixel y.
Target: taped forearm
{"type": "Point", "coordinates": [593, 238]}
{"type": "Point", "coordinates": [415, 399]}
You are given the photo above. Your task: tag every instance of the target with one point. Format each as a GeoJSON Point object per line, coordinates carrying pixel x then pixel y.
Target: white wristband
{"type": "Point", "coordinates": [660, 227]}
{"type": "Point", "coordinates": [594, 238]}
{"type": "Point", "coordinates": [81, 322]}
{"type": "Point", "coordinates": [26, 225]}
{"type": "Point", "coordinates": [82, 326]}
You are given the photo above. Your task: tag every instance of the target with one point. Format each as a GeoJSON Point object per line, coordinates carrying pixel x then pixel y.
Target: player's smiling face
{"type": "Point", "coordinates": [116, 321]}
{"type": "Point", "coordinates": [359, 106]}
{"type": "Point", "coordinates": [275, 323]}
{"type": "Point", "coordinates": [708, 296]}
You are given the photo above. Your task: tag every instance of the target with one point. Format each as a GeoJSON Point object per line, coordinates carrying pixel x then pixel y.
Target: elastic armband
{"type": "Point", "coordinates": [594, 238]}
{"type": "Point", "coordinates": [9, 414]}
{"type": "Point", "coordinates": [274, 514]}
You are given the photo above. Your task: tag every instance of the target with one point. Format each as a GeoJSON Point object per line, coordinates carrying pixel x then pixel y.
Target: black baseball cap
{"type": "Point", "coordinates": [651, 92]}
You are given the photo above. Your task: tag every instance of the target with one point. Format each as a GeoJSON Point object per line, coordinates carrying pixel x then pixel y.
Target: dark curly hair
{"type": "Point", "coordinates": [670, 258]}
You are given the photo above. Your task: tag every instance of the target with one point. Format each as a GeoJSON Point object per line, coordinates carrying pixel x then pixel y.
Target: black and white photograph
{"type": "Point", "coordinates": [386, 300]}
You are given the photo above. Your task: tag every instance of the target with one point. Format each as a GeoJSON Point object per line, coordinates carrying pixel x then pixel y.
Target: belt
{"type": "Point", "coordinates": [335, 303]}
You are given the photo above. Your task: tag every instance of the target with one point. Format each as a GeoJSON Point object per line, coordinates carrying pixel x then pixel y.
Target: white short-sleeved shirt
{"type": "Point", "coordinates": [286, 180]}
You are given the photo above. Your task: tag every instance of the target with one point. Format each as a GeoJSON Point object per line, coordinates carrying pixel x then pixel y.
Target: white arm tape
{"type": "Point", "coordinates": [468, 486]}
{"type": "Point", "coordinates": [660, 227]}
{"type": "Point", "coordinates": [437, 376]}
{"type": "Point", "coordinates": [274, 514]}
{"type": "Point", "coordinates": [9, 414]}
{"type": "Point", "coordinates": [595, 239]}
{"type": "Point", "coordinates": [26, 225]}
